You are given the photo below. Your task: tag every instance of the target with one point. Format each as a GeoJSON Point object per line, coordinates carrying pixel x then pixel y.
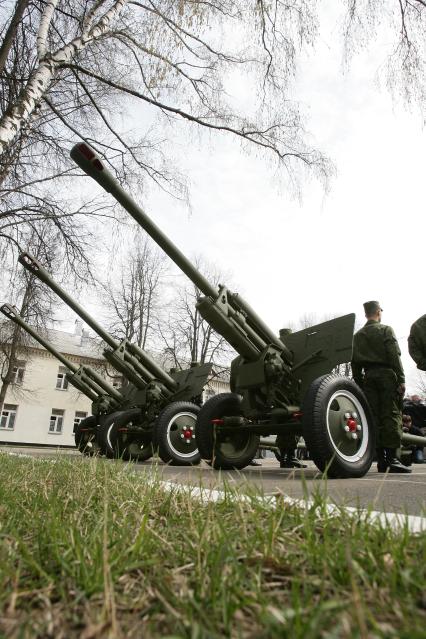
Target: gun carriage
{"type": "Point", "coordinates": [280, 385]}
{"type": "Point", "coordinates": [153, 410]}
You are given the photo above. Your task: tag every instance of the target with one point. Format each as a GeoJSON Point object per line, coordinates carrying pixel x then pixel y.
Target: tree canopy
{"type": "Point", "coordinates": [121, 74]}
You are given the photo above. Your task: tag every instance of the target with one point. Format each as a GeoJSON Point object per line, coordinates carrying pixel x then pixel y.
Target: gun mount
{"type": "Point", "coordinates": [281, 385]}
{"type": "Point", "coordinates": [149, 392]}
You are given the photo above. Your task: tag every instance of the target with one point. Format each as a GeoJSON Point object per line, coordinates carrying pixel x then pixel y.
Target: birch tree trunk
{"type": "Point", "coordinates": [44, 74]}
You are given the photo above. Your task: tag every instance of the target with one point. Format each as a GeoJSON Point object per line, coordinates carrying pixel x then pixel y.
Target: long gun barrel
{"type": "Point", "coordinates": [230, 315]}
{"type": "Point", "coordinates": [89, 162]}
{"type": "Point", "coordinates": [138, 366]}
{"type": "Point", "coordinates": [86, 380]}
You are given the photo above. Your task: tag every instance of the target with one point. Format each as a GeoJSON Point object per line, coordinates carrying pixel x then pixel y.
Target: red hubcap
{"type": "Point", "coordinates": [352, 425]}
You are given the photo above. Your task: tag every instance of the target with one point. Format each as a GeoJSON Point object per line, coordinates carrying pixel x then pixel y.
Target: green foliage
{"type": "Point", "coordinates": [90, 548]}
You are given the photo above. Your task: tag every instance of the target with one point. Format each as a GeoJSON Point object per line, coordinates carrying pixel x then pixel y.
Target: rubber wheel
{"type": "Point", "coordinates": [121, 445]}
{"type": "Point", "coordinates": [174, 434]}
{"type": "Point", "coordinates": [325, 408]}
{"type": "Point", "coordinates": [224, 449]}
{"type": "Point", "coordinates": [85, 436]}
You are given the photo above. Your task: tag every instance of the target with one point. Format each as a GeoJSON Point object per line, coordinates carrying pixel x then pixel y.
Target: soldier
{"type": "Point", "coordinates": [377, 369]}
{"type": "Point", "coordinates": [417, 342]}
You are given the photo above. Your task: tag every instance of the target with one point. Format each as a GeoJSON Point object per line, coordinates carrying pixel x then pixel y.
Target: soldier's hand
{"type": "Point", "coordinates": [401, 390]}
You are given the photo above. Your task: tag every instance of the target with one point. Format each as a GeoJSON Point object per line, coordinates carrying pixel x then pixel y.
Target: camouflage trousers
{"type": "Point", "coordinates": [380, 388]}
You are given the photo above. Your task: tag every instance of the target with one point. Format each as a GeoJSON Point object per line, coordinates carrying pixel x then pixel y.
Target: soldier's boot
{"type": "Point", "coordinates": [289, 460]}
{"type": "Point", "coordinates": [255, 462]}
{"type": "Point", "coordinates": [393, 462]}
{"type": "Point", "coordinates": [418, 456]}
{"type": "Point", "coordinates": [382, 464]}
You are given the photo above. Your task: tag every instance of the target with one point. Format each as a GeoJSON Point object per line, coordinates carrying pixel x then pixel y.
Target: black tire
{"type": "Point", "coordinates": [132, 447]}
{"type": "Point", "coordinates": [333, 449]}
{"type": "Point", "coordinates": [85, 436]}
{"type": "Point", "coordinates": [225, 449]}
{"type": "Point", "coordinates": [174, 434]}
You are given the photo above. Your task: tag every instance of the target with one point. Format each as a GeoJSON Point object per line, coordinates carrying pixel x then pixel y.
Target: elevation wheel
{"type": "Point", "coordinates": [224, 449]}
{"type": "Point", "coordinates": [338, 427]}
{"type": "Point", "coordinates": [174, 434]}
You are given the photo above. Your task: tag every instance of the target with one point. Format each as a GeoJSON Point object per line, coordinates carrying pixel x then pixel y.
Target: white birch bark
{"type": "Point", "coordinates": [41, 78]}
{"type": "Point", "coordinates": [45, 20]}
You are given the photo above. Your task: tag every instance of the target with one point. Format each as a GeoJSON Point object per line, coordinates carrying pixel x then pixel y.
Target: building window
{"type": "Point", "coordinates": [61, 380]}
{"type": "Point", "coordinates": [8, 416]}
{"type": "Point", "coordinates": [79, 416]}
{"type": "Point", "coordinates": [18, 372]}
{"type": "Point", "coordinates": [56, 421]}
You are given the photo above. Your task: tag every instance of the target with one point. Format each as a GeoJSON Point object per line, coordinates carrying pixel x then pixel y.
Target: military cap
{"type": "Point", "coordinates": [371, 307]}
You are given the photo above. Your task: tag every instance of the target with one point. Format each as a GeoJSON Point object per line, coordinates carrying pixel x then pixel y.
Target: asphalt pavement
{"type": "Point", "coordinates": [383, 492]}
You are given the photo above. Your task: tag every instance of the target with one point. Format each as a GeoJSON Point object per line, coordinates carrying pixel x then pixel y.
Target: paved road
{"type": "Point", "coordinates": [387, 493]}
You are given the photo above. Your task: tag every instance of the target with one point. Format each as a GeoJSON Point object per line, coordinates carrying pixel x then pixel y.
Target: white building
{"type": "Point", "coordinates": [41, 407]}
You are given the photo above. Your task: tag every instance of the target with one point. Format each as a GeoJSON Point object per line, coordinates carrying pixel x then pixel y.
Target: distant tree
{"type": "Point", "coordinates": [421, 384]}
{"type": "Point", "coordinates": [186, 336]}
{"type": "Point", "coordinates": [132, 295]}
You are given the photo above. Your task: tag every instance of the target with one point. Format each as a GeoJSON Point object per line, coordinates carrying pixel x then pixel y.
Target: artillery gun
{"type": "Point", "coordinates": [159, 410]}
{"type": "Point", "coordinates": [106, 400]}
{"type": "Point", "coordinates": [280, 385]}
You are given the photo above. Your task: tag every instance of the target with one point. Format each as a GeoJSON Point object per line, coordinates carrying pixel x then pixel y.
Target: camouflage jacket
{"type": "Point", "coordinates": [417, 342]}
{"type": "Point", "coordinates": [375, 344]}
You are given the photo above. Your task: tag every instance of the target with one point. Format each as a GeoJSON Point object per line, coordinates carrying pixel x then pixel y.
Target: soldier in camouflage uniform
{"type": "Point", "coordinates": [417, 342]}
{"type": "Point", "coordinates": [377, 369]}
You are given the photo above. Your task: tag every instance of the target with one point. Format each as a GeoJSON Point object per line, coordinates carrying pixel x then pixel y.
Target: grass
{"type": "Point", "coordinates": [91, 549]}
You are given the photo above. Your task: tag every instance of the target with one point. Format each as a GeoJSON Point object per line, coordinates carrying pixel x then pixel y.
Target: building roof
{"type": "Point", "coordinates": [73, 344]}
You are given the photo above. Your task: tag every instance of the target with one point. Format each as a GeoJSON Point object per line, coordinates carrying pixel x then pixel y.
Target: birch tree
{"type": "Point", "coordinates": [83, 69]}
{"type": "Point", "coordinates": [74, 69]}
{"type": "Point", "coordinates": [403, 69]}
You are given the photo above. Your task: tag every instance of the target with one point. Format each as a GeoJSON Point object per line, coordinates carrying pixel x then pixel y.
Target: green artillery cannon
{"type": "Point", "coordinates": [106, 399]}
{"type": "Point", "coordinates": [280, 385]}
{"type": "Point", "coordinates": [158, 409]}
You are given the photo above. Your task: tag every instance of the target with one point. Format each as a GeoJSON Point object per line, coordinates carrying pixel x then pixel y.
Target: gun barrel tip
{"type": "Point", "coordinates": [83, 149]}
{"type": "Point", "coordinates": [28, 261]}
{"type": "Point", "coordinates": [6, 309]}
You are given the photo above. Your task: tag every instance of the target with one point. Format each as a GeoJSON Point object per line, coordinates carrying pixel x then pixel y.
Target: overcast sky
{"type": "Point", "coordinates": [328, 253]}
